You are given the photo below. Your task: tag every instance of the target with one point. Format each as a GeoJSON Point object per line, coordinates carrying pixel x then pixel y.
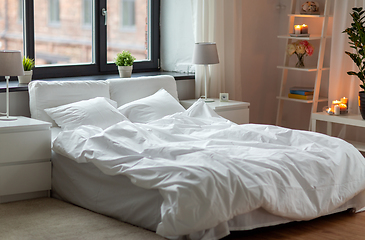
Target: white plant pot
{"type": "Point", "coordinates": [26, 78]}
{"type": "Point", "coordinates": [125, 71]}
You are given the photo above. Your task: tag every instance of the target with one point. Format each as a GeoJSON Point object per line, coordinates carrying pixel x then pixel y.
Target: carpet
{"type": "Point", "coordinates": [49, 218]}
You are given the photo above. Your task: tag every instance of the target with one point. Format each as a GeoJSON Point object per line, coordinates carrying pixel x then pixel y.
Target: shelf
{"type": "Point", "coordinates": [306, 15]}
{"type": "Point", "coordinates": [312, 37]}
{"type": "Point", "coordinates": [348, 119]}
{"type": "Point", "coordinates": [305, 69]}
{"type": "Point", "coordinates": [301, 100]}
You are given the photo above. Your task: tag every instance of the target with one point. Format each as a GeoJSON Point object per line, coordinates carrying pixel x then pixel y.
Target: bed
{"type": "Point", "coordinates": [127, 149]}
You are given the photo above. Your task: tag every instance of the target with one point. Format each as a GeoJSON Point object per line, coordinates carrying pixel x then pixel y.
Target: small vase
{"type": "Point", "coordinates": [26, 78]}
{"type": "Point", "coordinates": [300, 62]}
{"type": "Point", "coordinates": [125, 71]}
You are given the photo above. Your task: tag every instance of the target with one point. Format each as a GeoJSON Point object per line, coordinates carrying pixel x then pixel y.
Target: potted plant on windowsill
{"type": "Point", "coordinates": [124, 61]}
{"type": "Point", "coordinates": [356, 35]}
{"type": "Point", "coordinates": [28, 65]}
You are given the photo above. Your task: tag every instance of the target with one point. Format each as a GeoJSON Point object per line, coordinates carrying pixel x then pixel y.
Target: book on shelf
{"type": "Point", "coordinates": [298, 96]}
{"type": "Point", "coordinates": [302, 91]}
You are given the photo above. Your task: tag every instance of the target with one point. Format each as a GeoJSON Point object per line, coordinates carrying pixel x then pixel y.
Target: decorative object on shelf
{"type": "Point", "coordinates": [124, 62]}
{"type": "Point", "coordinates": [328, 110]}
{"type": "Point", "coordinates": [28, 65]}
{"type": "Point", "coordinates": [10, 65]}
{"type": "Point", "coordinates": [224, 97]}
{"type": "Point", "coordinates": [300, 31]}
{"type": "Point", "coordinates": [301, 49]}
{"type": "Point", "coordinates": [205, 53]}
{"type": "Point", "coordinates": [302, 90]}
{"type": "Point", "coordinates": [338, 107]}
{"type": "Point", "coordinates": [310, 7]}
{"type": "Point", "coordinates": [356, 35]}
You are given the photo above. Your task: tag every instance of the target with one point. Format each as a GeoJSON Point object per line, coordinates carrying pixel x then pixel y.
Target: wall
{"type": "Point", "coordinates": [19, 103]}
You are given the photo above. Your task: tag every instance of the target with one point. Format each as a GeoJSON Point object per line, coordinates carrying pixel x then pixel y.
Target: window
{"type": "Point", "coordinates": [11, 28]}
{"type": "Point", "coordinates": [87, 13]}
{"type": "Point", "coordinates": [73, 38]}
{"type": "Point", "coordinates": [127, 14]}
{"type": "Point", "coordinates": [54, 12]}
{"type": "Point", "coordinates": [20, 10]}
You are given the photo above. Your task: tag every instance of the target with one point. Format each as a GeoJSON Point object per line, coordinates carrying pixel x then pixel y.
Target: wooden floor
{"type": "Point", "coordinates": [340, 226]}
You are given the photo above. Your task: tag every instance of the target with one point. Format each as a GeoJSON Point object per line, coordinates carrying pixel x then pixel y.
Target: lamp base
{"type": "Point", "coordinates": [8, 118]}
{"type": "Point", "coordinates": [208, 100]}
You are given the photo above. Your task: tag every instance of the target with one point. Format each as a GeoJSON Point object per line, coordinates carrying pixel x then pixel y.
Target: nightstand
{"type": "Point", "coordinates": [235, 111]}
{"type": "Point", "coordinates": [25, 159]}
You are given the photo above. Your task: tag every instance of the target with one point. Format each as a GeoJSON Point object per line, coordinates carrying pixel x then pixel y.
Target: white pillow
{"type": "Point", "coordinates": [100, 112]}
{"type": "Point", "coordinates": [151, 108]}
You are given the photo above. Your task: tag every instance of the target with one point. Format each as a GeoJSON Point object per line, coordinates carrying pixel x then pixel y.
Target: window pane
{"type": "Point", "coordinates": [127, 28]}
{"type": "Point", "coordinates": [60, 36]}
{"type": "Point", "coordinates": [11, 28]}
{"type": "Point", "coordinates": [87, 12]}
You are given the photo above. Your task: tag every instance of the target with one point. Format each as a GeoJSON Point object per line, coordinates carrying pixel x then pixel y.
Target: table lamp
{"type": "Point", "coordinates": [10, 65]}
{"type": "Point", "coordinates": [205, 53]}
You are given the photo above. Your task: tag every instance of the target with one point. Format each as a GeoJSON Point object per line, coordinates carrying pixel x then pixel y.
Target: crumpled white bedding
{"type": "Point", "coordinates": [209, 170]}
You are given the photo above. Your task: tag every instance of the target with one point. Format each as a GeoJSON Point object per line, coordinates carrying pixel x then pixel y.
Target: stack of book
{"type": "Point", "coordinates": [304, 93]}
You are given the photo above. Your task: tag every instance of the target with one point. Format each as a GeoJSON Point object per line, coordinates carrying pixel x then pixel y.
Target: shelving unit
{"type": "Point", "coordinates": [318, 69]}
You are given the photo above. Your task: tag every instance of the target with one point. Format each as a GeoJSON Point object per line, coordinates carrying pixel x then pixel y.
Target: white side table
{"type": "Point", "coordinates": [348, 119]}
{"type": "Point", "coordinates": [25, 154]}
{"type": "Point", "coordinates": [235, 111]}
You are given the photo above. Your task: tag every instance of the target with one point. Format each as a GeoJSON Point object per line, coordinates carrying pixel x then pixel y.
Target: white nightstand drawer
{"type": "Point", "coordinates": [235, 111]}
{"type": "Point", "coordinates": [239, 116]}
{"type": "Point", "coordinates": [25, 146]}
{"type": "Point", "coordinates": [25, 178]}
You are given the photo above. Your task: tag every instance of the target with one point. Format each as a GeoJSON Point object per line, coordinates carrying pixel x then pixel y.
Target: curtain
{"type": "Point", "coordinates": [219, 21]}
{"type": "Point", "coordinates": [341, 84]}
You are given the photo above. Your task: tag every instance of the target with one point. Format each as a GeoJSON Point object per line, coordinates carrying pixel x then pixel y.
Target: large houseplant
{"type": "Point", "coordinates": [356, 35]}
{"type": "Point", "coordinates": [28, 65]}
{"type": "Point", "coordinates": [124, 61]}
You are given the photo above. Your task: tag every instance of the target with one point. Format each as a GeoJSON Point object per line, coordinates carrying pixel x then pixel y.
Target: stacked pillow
{"type": "Point", "coordinates": [102, 112]}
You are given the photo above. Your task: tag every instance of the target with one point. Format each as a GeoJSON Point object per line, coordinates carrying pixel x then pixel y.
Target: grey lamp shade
{"type": "Point", "coordinates": [11, 63]}
{"type": "Point", "coordinates": [205, 53]}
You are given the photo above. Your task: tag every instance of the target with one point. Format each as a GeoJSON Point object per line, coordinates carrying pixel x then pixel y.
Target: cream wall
{"type": "Point", "coordinates": [19, 103]}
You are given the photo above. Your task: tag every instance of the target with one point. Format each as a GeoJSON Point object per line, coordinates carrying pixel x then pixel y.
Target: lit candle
{"type": "Point", "coordinates": [343, 107]}
{"type": "Point", "coordinates": [335, 103]}
{"type": "Point", "coordinates": [304, 29]}
{"type": "Point", "coordinates": [344, 100]}
{"type": "Point", "coordinates": [297, 29]}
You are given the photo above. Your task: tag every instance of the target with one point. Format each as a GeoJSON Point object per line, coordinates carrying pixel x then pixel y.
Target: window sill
{"type": "Point", "coordinates": [14, 86]}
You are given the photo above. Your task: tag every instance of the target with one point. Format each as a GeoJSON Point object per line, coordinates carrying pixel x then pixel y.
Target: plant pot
{"type": "Point", "coordinates": [125, 71]}
{"type": "Point", "coordinates": [26, 78]}
{"type": "Point", "coordinates": [362, 104]}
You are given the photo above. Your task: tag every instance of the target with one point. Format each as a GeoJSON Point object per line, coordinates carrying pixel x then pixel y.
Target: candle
{"type": "Point", "coordinates": [297, 29]}
{"type": "Point", "coordinates": [343, 107]}
{"type": "Point", "coordinates": [304, 29]}
{"type": "Point", "coordinates": [337, 110]}
{"type": "Point", "coordinates": [335, 103]}
{"type": "Point", "coordinates": [344, 100]}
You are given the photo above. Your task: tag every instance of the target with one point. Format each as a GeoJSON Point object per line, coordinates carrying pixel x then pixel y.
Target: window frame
{"type": "Point", "coordinates": [99, 65]}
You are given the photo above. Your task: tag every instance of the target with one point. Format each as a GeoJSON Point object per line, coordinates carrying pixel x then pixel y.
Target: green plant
{"type": "Point", "coordinates": [356, 34]}
{"type": "Point", "coordinates": [28, 63]}
{"type": "Point", "coordinates": [124, 59]}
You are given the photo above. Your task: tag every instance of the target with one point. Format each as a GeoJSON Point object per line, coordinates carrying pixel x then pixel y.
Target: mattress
{"type": "Point", "coordinates": [83, 184]}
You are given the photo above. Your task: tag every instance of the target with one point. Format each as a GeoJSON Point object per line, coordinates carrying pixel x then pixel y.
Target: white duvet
{"type": "Point", "coordinates": [209, 170]}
